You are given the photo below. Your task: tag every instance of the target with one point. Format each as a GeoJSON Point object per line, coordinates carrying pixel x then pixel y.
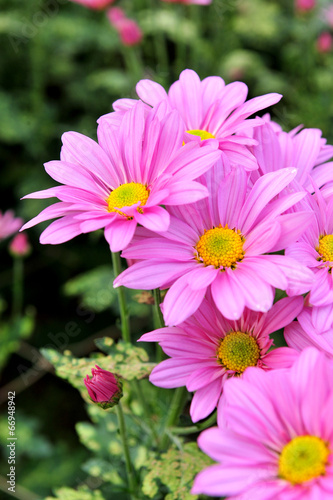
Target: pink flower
{"type": "Point", "coordinates": [207, 349]}
{"type": "Point", "coordinates": [104, 388]}
{"type": "Point", "coordinates": [327, 15]}
{"type": "Point", "coordinates": [9, 224]}
{"type": "Point", "coordinates": [304, 150]}
{"type": "Point", "coordinates": [304, 5]}
{"type": "Point", "coordinates": [129, 31]}
{"type": "Point", "coordinates": [94, 4]}
{"type": "Point", "coordinates": [210, 109]}
{"type": "Point", "coordinates": [123, 180]}
{"type": "Point", "coordinates": [20, 245]}
{"type": "Point", "coordinates": [278, 441]}
{"type": "Point", "coordinates": [301, 334]}
{"type": "Point", "coordinates": [224, 243]}
{"type": "Point", "coordinates": [324, 42]}
{"type": "Point", "coordinates": [315, 249]}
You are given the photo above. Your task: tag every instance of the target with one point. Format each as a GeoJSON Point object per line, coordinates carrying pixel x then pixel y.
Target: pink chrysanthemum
{"type": "Point", "coordinates": [304, 150]}
{"type": "Point", "coordinates": [104, 388]}
{"type": "Point", "coordinates": [9, 224]}
{"type": "Point", "coordinates": [301, 334]}
{"type": "Point", "coordinates": [123, 180]}
{"type": "Point", "coordinates": [315, 250]}
{"type": "Point", "coordinates": [278, 441]}
{"type": "Point", "coordinates": [222, 243]}
{"type": "Point", "coordinates": [210, 109]}
{"type": "Point", "coordinates": [207, 349]}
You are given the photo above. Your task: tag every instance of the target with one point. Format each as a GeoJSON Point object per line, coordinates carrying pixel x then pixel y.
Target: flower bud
{"type": "Point", "coordinates": [105, 388]}
{"type": "Point", "coordinates": [304, 5]}
{"type": "Point", "coordinates": [324, 42]}
{"type": "Point", "coordinates": [19, 246]}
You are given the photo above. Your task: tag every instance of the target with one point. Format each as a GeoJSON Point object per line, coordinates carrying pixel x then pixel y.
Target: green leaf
{"type": "Point", "coordinates": [95, 287]}
{"type": "Point", "coordinates": [11, 334]}
{"type": "Point", "coordinates": [175, 469]}
{"type": "Point", "coordinates": [82, 493]}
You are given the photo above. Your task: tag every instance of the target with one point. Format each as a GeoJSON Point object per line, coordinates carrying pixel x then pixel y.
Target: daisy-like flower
{"type": "Point", "coordinates": [9, 224]}
{"type": "Point", "coordinates": [222, 243]}
{"type": "Point", "coordinates": [207, 349]}
{"type": "Point", "coordinates": [306, 150]}
{"type": "Point", "coordinates": [315, 249]}
{"type": "Point", "coordinates": [122, 181]}
{"type": "Point", "coordinates": [278, 441]}
{"type": "Point", "coordinates": [301, 334]}
{"type": "Point", "coordinates": [210, 109]}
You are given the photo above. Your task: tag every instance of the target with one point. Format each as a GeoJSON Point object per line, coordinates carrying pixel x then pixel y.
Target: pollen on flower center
{"type": "Point", "coordinates": [303, 458]}
{"type": "Point", "coordinates": [220, 247]}
{"type": "Point", "coordinates": [201, 133]}
{"type": "Point", "coordinates": [127, 195]}
{"type": "Point", "coordinates": [237, 351]}
{"type": "Point", "coordinates": [325, 248]}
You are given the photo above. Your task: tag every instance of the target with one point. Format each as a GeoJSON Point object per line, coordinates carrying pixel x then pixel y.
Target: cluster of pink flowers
{"type": "Point", "coordinates": [221, 210]}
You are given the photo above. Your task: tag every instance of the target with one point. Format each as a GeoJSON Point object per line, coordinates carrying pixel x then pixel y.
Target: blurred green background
{"type": "Point", "coordinates": [61, 67]}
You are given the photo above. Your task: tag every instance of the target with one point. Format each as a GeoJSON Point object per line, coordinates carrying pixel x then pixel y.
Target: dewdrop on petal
{"type": "Point", "coordinates": [104, 388]}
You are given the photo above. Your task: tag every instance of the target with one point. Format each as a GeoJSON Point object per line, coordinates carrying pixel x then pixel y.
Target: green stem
{"type": "Point", "coordinates": [133, 62]}
{"type": "Point", "coordinates": [195, 428]}
{"type": "Point", "coordinates": [158, 322]}
{"type": "Point", "coordinates": [175, 410]}
{"type": "Point", "coordinates": [17, 286]}
{"type": "Point", "coordinates": [123, 435]}
{"type": "Point", "coordinates": [125, 324]}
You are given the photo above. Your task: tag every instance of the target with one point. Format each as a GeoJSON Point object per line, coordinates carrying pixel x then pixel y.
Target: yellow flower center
{"type": "Point", "coordinates": [220, 247]}
{"type": "Point", "coordinates": [303, 458]}
{"type": "Point", "coordinates": [201, 133]}
{"type": "Point", "coordinates": [325, 248]}
{"type": "Point", "coordinates": [127, 195]}
{"type": "Point", "coordinates": [237, 351]}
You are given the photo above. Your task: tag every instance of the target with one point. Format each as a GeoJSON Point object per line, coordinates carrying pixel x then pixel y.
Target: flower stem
{"type": "Point", "coordinates": [125, 324]}
{"type": "Point", "coordinates": [195, 428]}
{"type": "Point", "coordinates": [17, 286]}
{"type": "Point", "coordinates": [158, 316]}
{"type": "Point", "coordinates": [123, 435]}
{"type": "Point", "coordinates": [175, 410]}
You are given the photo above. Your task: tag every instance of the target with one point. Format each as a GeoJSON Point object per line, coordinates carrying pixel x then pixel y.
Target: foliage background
{"type": "Point", "coordinates": [61, 67]}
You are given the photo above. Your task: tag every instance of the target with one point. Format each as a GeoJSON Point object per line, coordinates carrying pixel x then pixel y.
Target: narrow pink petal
{"type": "Point", "coordinates": [232, 96]}
{"type": "Point", "coordinates": [322, 317]}
{"type": "Point", "coordinates": [80, 150]}
{"type": "Point", "coordinates": [300, 278]}
{"type": "Point", "coordinates": [181, 301]}
{"type": "Point", "coordinates": [204, 376]}
{"type": "Point", "coordinates": [303, 252]}
{"type": "Point", "coordinates": [205, 400]}
{"type": "Point", "coordinates": [226, 297]}
{"type": "Point", "coordinates": [263, 238]}
{"type": "Point", "coordinates": [211, 89]}
{"type": "Point", "coordinates": [154, 248]}
{"type": "Point", "coordinates": [322, 290]}
{"type": "Point", "coordinates": [201, 277]}
{"type": "Point", "coordinates": [185, 96]}
{"type": "Point", "coordinates": [282, 357]}
{"type": "Point", "coordinates": [174, 372]}
{"type": "Point", "coordinates": [257, 293]}
{"type": "Point", "coordinates": [160, 334]}
{"type": "Point", "coordinates": [323, 174]}
{"type": "Point", "coordinates": [45, 193]}
{"type": "Point", "coordinates": [151, 92]}
{"type": "Point", "coordinates": [190, 163]}
{"type": "Point", "coordinates": [97, 223]}
{"type": "Point", "coordinates": [307, 144]}
{"type": "Point", "coordinates": [267, 271]}
{"type": "Point", "coordinates": [147, 275]}
{"type": "Point", "coordinates": [282, 313]}
{"type": "Point", "coordinates": [263, 191]}
{"type": "Point", "coordinates": [51, 212]}
{"type": "Point", "coordinates": [184, 192]}
{"type": "Point", "coordinates": [130, 141]}
{"type": "Point", "coordinates": [292, 227]}
{"type": "Point", "coordinates": [76, 176]}
{"type": "Point", "coordinates": [231, 196]}
{"type": "Point", "coordinates": [154, 218]}
{"type": "Point", "coordinates": [119, 234]}
{"type": "Point", "coordinates": [60, 231]}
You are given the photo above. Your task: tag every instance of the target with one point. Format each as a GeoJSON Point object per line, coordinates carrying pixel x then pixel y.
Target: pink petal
{"type": "Point", "coordinates": [151, 92]}
{"type": "Point", "coordinates": [174, 372]}
{"type": "Point", "coordinates": [181, 301]}
{"type": "Point", "coordinates": [183, 192]}
{"type": "Point", "coordinates": [282, 357]}
{"type": "Point", "coordinates": [119, 234]}
{"type": "Point", "coordinates": [282, 313]}
{"type": "Point", "coordinates": [205, 375]}
{"type": "Point", "coordinates": [226, 296]}
{"type": "Point", "coordinates": [205, 400]}
{"type": "Point", "coordinates": [60, 231]}
{"type": "Point", "coordinates": [201, 277]}
{"type": "Point", "coordinates": [154, 218]}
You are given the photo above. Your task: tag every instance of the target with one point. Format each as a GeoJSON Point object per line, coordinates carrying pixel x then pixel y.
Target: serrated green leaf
{"type": "Point", "coordinates": [176, 469]}
{"type": "Point", "coordinates": [82, 493]}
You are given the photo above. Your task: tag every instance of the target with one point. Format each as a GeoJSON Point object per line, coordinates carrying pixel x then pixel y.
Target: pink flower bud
{"type": "Point", "coordinates": [128, 30]}
{"type": "Point", "coordinates": [20, 246]}
{"type": "Point", "coordinates": [324, 42]}
{"type": "Point", "coordinates": [105, 388]}
{"type": "Point", "coordinates": [303, 5]}
{"type": "Point", "coordinates": [94, 4]}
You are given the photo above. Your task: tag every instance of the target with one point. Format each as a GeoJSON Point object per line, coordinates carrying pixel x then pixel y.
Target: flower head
{"type": "Point", "coordinates": [104, 387]}
{"type": "Point", "coordinates": [208, 349]}
{"type": "Point", "coordinates": [278, 440]}
{"type": "Point", "coordinates": [210, 109]}
{"type": "Point", "coordinates": [129, 31]}
{"type": "Point", "coordinates": [9, 224]}
{"type": "Point", "coordinates": [124, 179]}
{"type": "Point", "coordinates": [20, 246]}
{"type": "Point", "coordinates": [224, 243]}
{"type": "Point", "coordinates": [304, 5]}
